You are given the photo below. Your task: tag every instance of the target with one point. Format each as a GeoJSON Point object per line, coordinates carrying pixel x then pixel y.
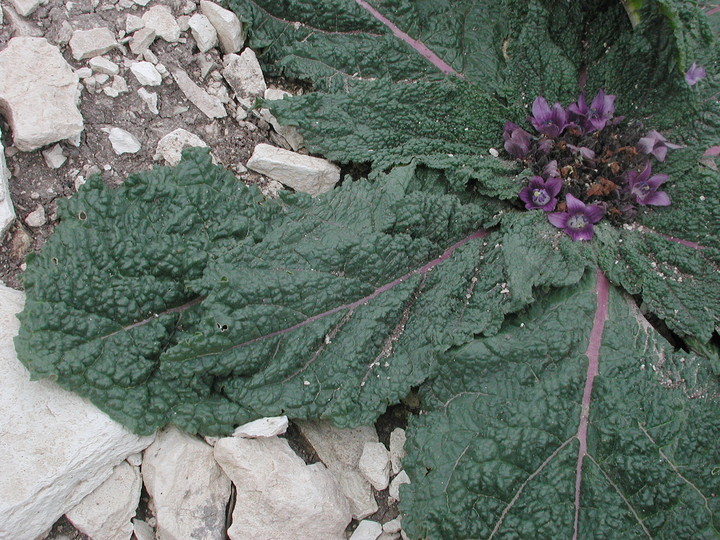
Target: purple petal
{"type": "Point", "coordinates": [536, 182]}
{"type": "Point", "coordinates": [553, 186]}
{"type": "Point", "coordinates": [656, 180]}
{"type": "Point", "coordinates": [594, 213]}
{"type": "Point", "coordinates": [646, 144]}
{"type": "Point", "coordinates": [643, 175]}
{"type": "Point", "coordinates": [659, 198]}
{"type": "Point", "coordinates": [551, 169]}
{"type": "Point", "coordinates": [559, 219]}
{"type": "Point", "coordinates": [526, 197]}
{"type": "Point", "coordinates": [585, 233]}
{"type": "Point", "coordinates": [508, 129]}
{"type": "Point", "coordinates": [550, 206]}
{"type": "Point", "coordinates": [660, 152]}
{"type": "Point", "coordinates": [541, 109]}
{"type": "Point", "coordinates": [694, 74]}
{"type": "Point", "coordinates": [574, 205]}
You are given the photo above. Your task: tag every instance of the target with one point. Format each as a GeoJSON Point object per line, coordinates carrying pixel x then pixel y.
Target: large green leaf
{"type": "Point", "coordinates": [503, 452]}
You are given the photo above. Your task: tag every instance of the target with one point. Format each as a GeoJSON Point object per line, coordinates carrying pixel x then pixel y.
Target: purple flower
{"type": "Point", "coordinates": [643, 187]}
{"type": "Point", "coordinates": [578, 221]}
{"type": "Point", "coordinates": [596, 116]}
{"type": "Point", "coordinates": [551, 169]}
{"type": "Point", "coordinates": [654, 143]}
{"type": "Point", "coordinates": [694, 74]}
{"type": "Point", "coordinates": [550, 122]}
{"type": "Point", "coordinates": [517, 140]}
{"type": "Point", "coordinates": [541, 194]}
{"type": "Point", "coordinates": [584, 151]}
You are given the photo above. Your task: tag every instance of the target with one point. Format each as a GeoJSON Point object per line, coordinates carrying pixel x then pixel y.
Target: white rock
{"type": "Point", "coordinates": [183, 23]}
{"type": "Point", "coordinates": [262, 427]}
{"type": "Point", "coordinates": [100, 64]}
{"type": "Point", "coordinates": [133, 23]}
{"type": "Point", "coordinates": [399, 480]}
{"type": "Point", "coordinates": [119, 84]}
{"type": "Point", "coordinates": [39, 92]}
{"type": "Point", "coordinates": [36, 218]}
{"type": "Point", "coordinates": [375, 465]}
{"type": "Point", "coordinates": [204, 32]}
{"type": "Point", "coordinates": [135, 459]}
{"type": "Point", "coordinates": [2, 20]}
{"type": "Point", "coordinates": [123, 142]}
{"type": "Point", "coordinates": [303, 173]}
{"type": "Point", "coordinates": [142, 530]}
{"type": "Point", "coordinates": [160, 19]}
{"type": "Point", "coordinates": [290, 134]}
{"type": "Point", "coordinates": [39, 481]}
{"type": "Point", "coordinates": [54, 157]}
{"type": "Point", "coordinates": [162, 70]}
{"type": "Point", "coordinates": [150, 99]}
{"type": "Point", "coordinates": [141, 40]}
{"type": "Point", "coordinates": [389, 536]}
{"type": "Point", "coordinates": [392, 526]}
{"type": "Point", "coordinates": [26, 7]}
{"type": "Point", "coordinates": [279, 496]}
{"type": "Point", "coordinates": [367, 530]}
{"type": "Point", "coordinates": [397, 449]}
{"type": "Point", "coordinates": [89, 43]}
{"type": "Point", "coordinates": [150, 56]}
{"type": "Point", "coordinates": [7, 211]}
{"type": "Point", "coordinates": [244, 75]}
{"type": "Point", "coordinates": [170, 147]}
{"type": "Point", "coordinates": [340, 451]}
{"type": "Point", "coordinates": [142, 2]}
{"type": "Point", "coordinates": [146, 74]}
{"type": "Point", "coordinates": [210, 105]}
{"type": "Point", "coordinates": [84, 72]}
{"type": "Point", "coordinates": [107, 512]}
{"type": "Point", "coordinates": [188, 490]}
{"type": "Point", "coordinates": [101, 78]}
{"type": "Point", "coordinates": [111, 92]}
{"type": "Point", "coordinates": [229, 29]}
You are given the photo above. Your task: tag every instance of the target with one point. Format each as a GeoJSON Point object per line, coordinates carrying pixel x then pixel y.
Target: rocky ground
{"type": "Point", "coordinates": [113, 87]}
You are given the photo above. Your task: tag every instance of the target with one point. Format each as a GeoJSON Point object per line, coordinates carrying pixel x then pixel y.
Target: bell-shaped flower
{"type": "Point", "coordinates": [694, 74]}
{"type": "Point", "coordinates": [657, 145]}
{"type": "Point", "coordinates": [517, 140]}
{"type": "Point", "coordinates": [597, 115]}
{"type": "Point", "coordinates": [551, 169]}
{"type": "Point", "coordinates": [579, 219]}
{"type": "Point", "coordinates": [548, 121]}
{"type": "Point", "coordinates": [541, 194]}
{"type": "Point", "coordinates": [643, 187]}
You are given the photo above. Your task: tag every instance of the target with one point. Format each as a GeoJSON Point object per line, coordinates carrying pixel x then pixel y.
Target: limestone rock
{"type": "Point", "coordinates": [39, 91]}
{"type": "Point", "coordinates": [290, 135]}
{"type": "Point", "coordinates": [279, 496]}
{"type": "Point", "coordinates": [204, 32]}
{"type": "Point", "coordinates": [229, 29]}
{"type": "Point", "coordinates": [146, 74]}
{"type": "Point", "coordinates": [7, 211]}
{"type": "Point", "coordinates": [160, 19]}
{"type": "Point", "coordinates": [21, 26]}
{"type": "Point", "coordinates": [54, 157]}
{"type": "Point", "coordinates": [150, 99]}
{"type": "Point", "coordinates": [107, 512]}
{"type": "Point", "coordinates": [244, 75]}
{"type": "Point", "coordinates": [100, 64]}
{"type": "Point", "coordinates": [142, 530]}
{"type": "Point", "coordinates": [123, 142]}
{"type": "Point", "coordinates": [303, 173]}
{"type": "Point", "coordinates": [141, 40]}
{"type": "Point", "coordinates": [397, 449]}
{"type": "Point", "coordinates": [210, 105]}
{"type": "Point", "coordinates": [340, 450]}
{"type": "Point", "coordinates": [133, 23]}
{"type": "Point", "coordinates": [36, 218]}
{"type": "Point", "coordinates": [375, 465]}
{"type": "Point", "coordinates": [170, 147]}
{"type": "Point", "coordinates": [26, 7]}
{"type": "Point", "coordinates": [263, 427]}
{"type": "Point", "coordinates": [39, 482]}
{"type": "Point", "coordinates": [188, 490]}
{"type": "Point", "coordinates": [89, 43]}
{"type": "Point", "coordinates": [392, 526]}
{"type": "Point", "coordinates": [367, 530]}
{"type": "Point", "coordinates": [399, 480]}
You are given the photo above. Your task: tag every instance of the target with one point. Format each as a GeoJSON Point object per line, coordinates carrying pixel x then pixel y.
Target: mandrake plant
{"type": "Point", "coordinates": [534, 250]}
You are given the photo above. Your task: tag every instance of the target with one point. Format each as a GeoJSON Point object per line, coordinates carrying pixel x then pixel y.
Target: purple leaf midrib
{"type": "Point", "coordinates": [416, 44]}
{"type": "Point", "coordinates": [602, 293]}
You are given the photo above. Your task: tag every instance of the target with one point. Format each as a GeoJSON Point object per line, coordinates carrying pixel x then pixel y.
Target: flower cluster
{"type": "Point", "coordinates": [587, 164]}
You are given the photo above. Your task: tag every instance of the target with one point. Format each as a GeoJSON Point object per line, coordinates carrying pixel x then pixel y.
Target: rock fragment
{"type": "Point", "coordinates": [133, 23]}
{"type": "Point", "coordinates": [36, 218]}
{"type": "Point", "coordinates": [392, 526]}
{"type": "Point", "coordinates": [100, 64]}
{"type": "Point", "coordinates": [281, 497]}
{"type": "Point", "coordinates": [188, 490]}
{"type": "Point", "coordinates": [399, 480]}
{"type": "Point", "coordinates": [160, 19]}
{"type": "Point", "coordinates": [142, 530]}
{"type": "Point", "coordinates": [263, 427]}
{"type": "Point", "coordinates": [397, 449]}
{"type": "Point", "coordinates": [150, 99]}
{"type": "Point", "coordinates": [340, 451]}
{"type": "Point", "coordinates": [229, 29]}
{"type": "Point", "coordinates": [7, 211]}
{"type": "Point", "coordinates": [211, 106]}
{"type": "Point", "coordinates": [47, 480]}
{"type": "Point", "coordinates": [141, 40]}
{"type": "Point", "coordinates": [39, 92]}
{"type": "Point", "coordinates": [204, 32]}
{"type": "Point", "coordinates": [375, 464]}
{"type": "Point", "coordinates": [244, 75]}
{"type": "Point", "coordinates": [26, 7]}
{"type": "Point", "coordinates": [367, 530]}
{"type": "Point", "coordinates": [106, 514]}
{"type": "Point", "coordinates": [146, 74]}
{"type": "Point", "coordinates": [170, 147]}
{"type": "Point", "coordinates": [89, 43]}
{"type": "Point", "coordinates": [303, 173]}
{"type": "Point", "coordinates": [289, 135]}
{"type": "Point", "coordinates": [54, 157]}
{"type": "Point", "coordinates": [123, 142]}
{"type": "Point", "coordinates": [22, 26]}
